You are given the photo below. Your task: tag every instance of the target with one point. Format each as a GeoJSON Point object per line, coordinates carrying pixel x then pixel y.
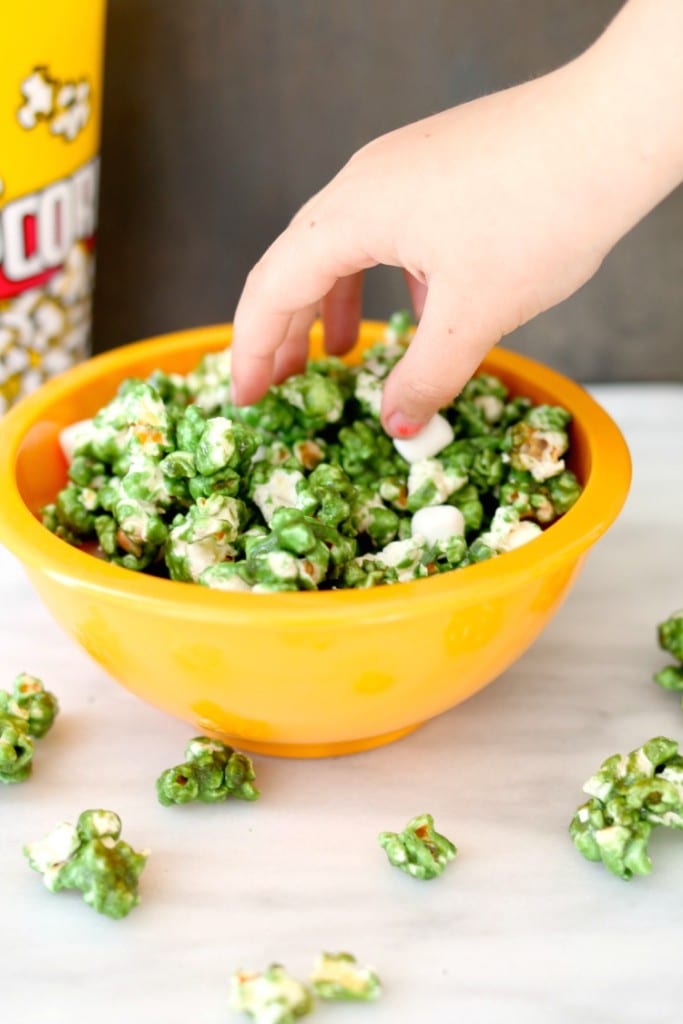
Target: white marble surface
{"type": "Point", "coordinates": [519, 929]}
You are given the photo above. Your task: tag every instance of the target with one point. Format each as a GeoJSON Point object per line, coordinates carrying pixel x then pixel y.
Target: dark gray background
{"type": "Point", "coordinates": [222, 116]}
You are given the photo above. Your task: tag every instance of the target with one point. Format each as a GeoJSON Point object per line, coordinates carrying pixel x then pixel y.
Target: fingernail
{"type": "Point", "coordinates": [399, 425]}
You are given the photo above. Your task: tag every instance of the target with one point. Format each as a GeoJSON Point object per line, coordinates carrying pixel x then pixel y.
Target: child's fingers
{"type": "Point", "coordinates": [448, 346]}
{"type": "Point", "coordinates": [296, 272]}
{"type": "Point", "coordinates": [417, 291]}
{"type": "Point", "coordinates": [292, 354]}
{"type": "Point", "coordinates": [341, 314]}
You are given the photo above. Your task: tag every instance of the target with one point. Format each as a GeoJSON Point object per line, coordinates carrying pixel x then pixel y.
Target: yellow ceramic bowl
{"type": "Point", "coordinates": [298, 674]}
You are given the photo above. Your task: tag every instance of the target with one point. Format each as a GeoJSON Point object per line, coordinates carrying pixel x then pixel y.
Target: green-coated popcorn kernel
{"type": "Point", "coordinates": [328, 494]}
{"type": "Point", "coordinates": [211, 773]}
{"type": "Point", "coordinates": [431, 482]}
{"type": "Point", "coordinates": [318, 399]}
{"type": "Point", "coordinates": [16, 749]}
{"type": "Point", "coordinates": [418, 850]}
{"type": "Point", "coordinates": [32, 703]}
{"type": "Point", "coordinates": [670, 635]}
{"type": "Point", "coordinates": [269, 997]}
{"type": "Point", "coordinates": [537, 451]}
{"type": "Point", "coordinates": [468, 501]}
{"type": "Point", "coordinates": [297, 553]}
{"type": "Point", "coordinates": [548, 417]}
{"type": "Point", "coordinates": [629, 796]}
{"type": "Point", "coordinates": [204, 536]}
{"type": "Point", "coordinates": [338, 976]}
{"type": "Point", "coordinates": [228, 576]}
{"type": "Point", "coordinates": [91, 857]}
{"type": "Point", "coordinates": [671, 678]}
{"type": "Point", "coordinates": [190, 428]}
{"type": "Point", "coordinates": [224, 445]}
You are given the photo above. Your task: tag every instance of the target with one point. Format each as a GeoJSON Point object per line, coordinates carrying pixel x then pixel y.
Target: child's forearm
{"type": "Point", "coordinates": [633, 82]}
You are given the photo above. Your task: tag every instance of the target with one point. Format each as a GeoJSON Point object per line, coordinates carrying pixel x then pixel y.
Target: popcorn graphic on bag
{"type": "Point", "coordinates": [44, 331]}
{"type": "Point", "coordinates": [63, 105]}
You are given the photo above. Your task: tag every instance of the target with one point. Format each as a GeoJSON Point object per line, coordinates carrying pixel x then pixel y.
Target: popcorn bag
{"type": "Point", "coordinates": [50, 94]}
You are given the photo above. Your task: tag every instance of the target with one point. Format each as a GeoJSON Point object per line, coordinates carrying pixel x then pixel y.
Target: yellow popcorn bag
{"type": "Point", "coordinates": [50, 99]}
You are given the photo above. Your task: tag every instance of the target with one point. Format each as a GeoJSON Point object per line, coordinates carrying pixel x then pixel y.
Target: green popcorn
{"type": "Point", "coordinates": [142, 470]}
{"type": "Point", "coordinates": [563, 490]}
{"type": "Point", "coordinates": [228, 576]}
{"type": "Point", "coordinates": [472, 418]}
{"type": "Point", "coordinates": [329, 494]}
{"type": "Point", "coordinates": [670, 635]}
{"type": "Point", "coordinates": [204, 536]}
{"type": "Point", "coordinates": [397, 562]}
{"type": "Point", "coordinates": [506, 532]}
{"type": "Point", "coordinates": [514, 411]}
{"type": "Point", "coordinates": [273, 415]}
{"type": "Point", "coordinates": [318, 399]}
{"type": "Point", "coordinates": [297, 553]}
{"type": "Point", "coordinates": [224, 445]}
{"type": "Point", "coordinates": [136, 419]}
{"type": "Point", "coordinates": [87, 472]}
{"type": "Point", "coordinates": [366, 454]}
{"type": "Point", "coordinates": [144, 481]}
{"type": "Point", "coordinates": [139, 531]}
{"type": "Point", "coordinates": [75, 507]}
{"type": "Point", "coordinates": [209, 383]}
{"type": "Point", "coordinates": [468, 501]}
{"type": "Point", "coordinates": [16, 749]}
{"type": "Point", "coordinates": [484, 385]}
{"type": "Point", "coordinates": [368, 390]}
{"type": "Point", "coordinates": [90, 857]}
{"type": "Point", "coordinates": [418, 850]}
{"type": "Point", "coordinates": [172, 388]}
{"type": "Point", "coordinates": [338, 976]}
{"type": "Point", "coordinates": [450, 553]}
{"type": "Point", "coordinates": [548, 417]}
{"type": "Point", "coordinates": [371, 516]}
{"type": "Point", "coordinates": [274, 488]}
{"type": "Point", "coordinates": [543, 502]}
{"type": "Point", "coordinates": [537, 451]}
{"type": "Point", "coordinates": [269, 997]}
{"type": "Point", "coordinates": [309, 452]}
{"type": "Point", "coordinates": [211, 773]}
{"type": "Point", "coordinates": [179, 465]}
{"type": "Point", "coordinates": [670, 678]}
{"type": "Point", "coordinates": [32, 703]}
{"type": "Point", "coordinates": [190, 428]}
{"type": "Point", "coordinates": [431, 482]}
{"type": "Point", "coordinates": [365, 572]}
{"type": "Point", "coordinates": [630, 795]}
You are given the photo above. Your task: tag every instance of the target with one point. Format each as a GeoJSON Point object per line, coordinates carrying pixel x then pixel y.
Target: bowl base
{"type": "Point", "coordinates": [306, 750]}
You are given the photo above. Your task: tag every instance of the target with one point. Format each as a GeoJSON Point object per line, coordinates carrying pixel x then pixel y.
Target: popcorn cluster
{"type": "Point", "coordinates": [304, 490]}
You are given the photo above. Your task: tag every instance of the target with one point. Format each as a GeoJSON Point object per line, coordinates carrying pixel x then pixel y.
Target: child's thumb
{"type": "Point", "coordinates": [441, 358]}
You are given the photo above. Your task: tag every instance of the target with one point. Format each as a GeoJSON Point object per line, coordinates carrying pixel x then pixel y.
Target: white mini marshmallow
{"type": "Point", "coordinates": [432, 439]}
{"type": "Point", "coordinates": [438, 523]}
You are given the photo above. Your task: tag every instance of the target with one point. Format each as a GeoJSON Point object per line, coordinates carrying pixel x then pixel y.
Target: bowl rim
{"type": "Point", "coordinates": [560, 544]}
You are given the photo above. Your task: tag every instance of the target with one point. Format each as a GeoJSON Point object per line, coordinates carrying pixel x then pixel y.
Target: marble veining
{"type": "Point", "coordinates": [519, 929]}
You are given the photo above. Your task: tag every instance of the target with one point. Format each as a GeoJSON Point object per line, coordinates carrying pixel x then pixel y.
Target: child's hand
{"type": "Point", "coordinates": [501, 207]}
